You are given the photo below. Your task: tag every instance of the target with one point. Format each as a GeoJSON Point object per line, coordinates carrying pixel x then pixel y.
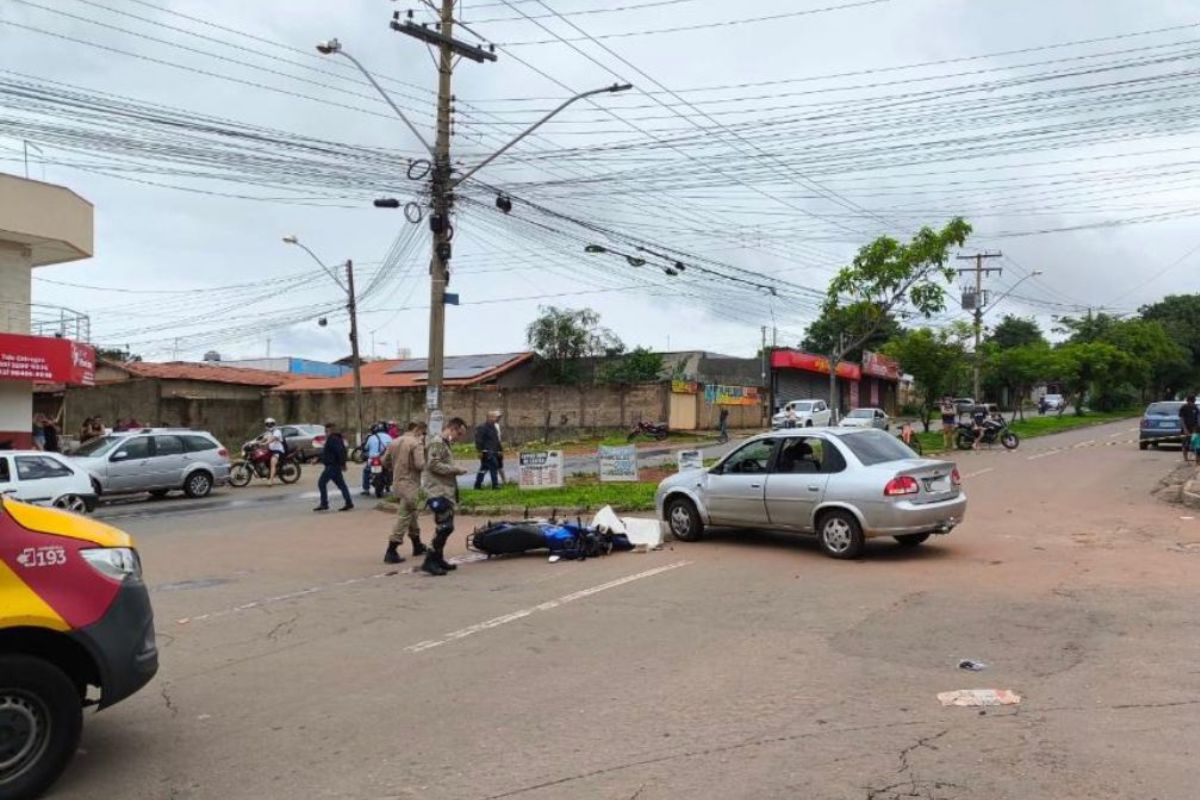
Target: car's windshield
{"type": "Point", "coordinates": [98, 447]}
{"type": "Point", "coordinates": [805, 406]}
{"type": "Point", "coordinates": [1163, 409]}
{"type": "Point", "coordinates": [861, 413]}
{"type": "Point", "coordinates": [875, 447]}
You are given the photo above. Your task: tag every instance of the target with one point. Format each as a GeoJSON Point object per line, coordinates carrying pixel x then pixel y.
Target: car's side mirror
{"type": "Point", "coordinates": [120, 455]}
{"type": "Point", "coordinates": [717, 469]}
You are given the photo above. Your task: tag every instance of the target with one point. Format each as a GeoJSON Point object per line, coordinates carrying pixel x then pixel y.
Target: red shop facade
{"type": "Point", "coordinates": [796, 375]}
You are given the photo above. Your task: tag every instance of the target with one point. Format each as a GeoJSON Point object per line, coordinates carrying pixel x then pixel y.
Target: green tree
{"type": "Point", "coordinates": [1092, 327]}
{"type": "Point", "coordinates": [935, 359]}
{"type": "Point", "coordinates": [1179, 314]}
{"type": "Point", "coordinates": [639, 365]}
{"type": "Point", "coordinates": [1089, 366]}
{"type": "Point", "coordinates": [821, 336]}
{"type": "Point", "coordinates": [117, 354]}
{"type": "Point", "coordinates": [1159, 365]}
{"type": "Point", "coordinates": [562, 336]}
{"type": "Point", "coordinates": [1017, 369]}
{"type": "Point", "coordinates": [890, 277]}
{"type": "Point", "coordinates": [1015, 332]}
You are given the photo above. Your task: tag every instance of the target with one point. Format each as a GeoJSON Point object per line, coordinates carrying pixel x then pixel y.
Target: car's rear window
{"type": "Point", "coordinates": [197, 444]}
{"type": "Point", "coordinates": [861, 413]}
{"type": "Point", "coordinates": [1163, 409]}
{"type": "Point", "coordinates": [876, 447]}
{"type": "Point", "coordinates": [98, 447]}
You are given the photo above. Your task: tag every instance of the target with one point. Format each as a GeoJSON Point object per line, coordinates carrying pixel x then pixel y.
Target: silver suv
{"type": "Point", "coordinates": [155, 460]}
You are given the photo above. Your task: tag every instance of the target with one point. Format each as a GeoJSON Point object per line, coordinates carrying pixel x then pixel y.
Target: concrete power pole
{"type": "Point", "coordinates": [352, 307]}
{"type": "Point", "coordinates": [439, 270]}
{"type": "Point", "coordinates": [979, 271]}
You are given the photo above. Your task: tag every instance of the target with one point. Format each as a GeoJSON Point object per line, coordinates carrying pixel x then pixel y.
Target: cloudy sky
{"type": "Point", "coordinates": [758, 151]}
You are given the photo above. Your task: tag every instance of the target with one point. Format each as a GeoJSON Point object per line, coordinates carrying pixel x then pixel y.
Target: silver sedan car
{"type": "Point", "coordinates": [846, 485]}
{"type": "Point", "coordinates": [868, 418]}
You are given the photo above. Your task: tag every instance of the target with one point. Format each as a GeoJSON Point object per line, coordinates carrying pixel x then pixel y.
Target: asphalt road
{"type": "Point", "coordinates": [294, 665]}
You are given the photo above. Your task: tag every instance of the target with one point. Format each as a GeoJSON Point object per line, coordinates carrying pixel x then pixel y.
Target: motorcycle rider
{"type": "Point", "coordinates": [272, 437]}
{"type": "Point", "coordinates": [439, 480]}
{"type": "Point", "coordinates": [406, 457]}
{"type": "Point", "coordinates": [374, 447]}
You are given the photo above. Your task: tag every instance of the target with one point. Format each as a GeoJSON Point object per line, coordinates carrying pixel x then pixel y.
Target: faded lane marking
{"type": "Point", "coordinates": [496, 622]}
{"type": "Point", "coordinates": [1120, 433]}
{"type": "Point", "coordinates": [279, 598]}
{"type": "Point", "coordinates": [1088, 443]}
{"type": "Point", "coordinates": [1042, 455]}
{"type": "Point", "coordinates": [977, 473]}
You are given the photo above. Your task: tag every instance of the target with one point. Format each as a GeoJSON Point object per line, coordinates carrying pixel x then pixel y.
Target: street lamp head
{"type": "Point", "coordinates": [291, 240]}
{"type": "Point", "coordinates": [329, 48]}
{"type": "Point", "coordinates": [1035, 273]}
{"type": "Point", "coordinates": [620, 87]}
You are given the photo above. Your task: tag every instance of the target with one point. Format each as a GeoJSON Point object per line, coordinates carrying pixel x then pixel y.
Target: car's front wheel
{"type": "Point", "coordinates": [840, 534]}
{"type": "Point", "coordinates": [684, 520]}
{"type": "Point", "coordinates": [41, 718]}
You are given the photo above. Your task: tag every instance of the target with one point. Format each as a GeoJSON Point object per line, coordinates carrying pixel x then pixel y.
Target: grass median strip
{"type": "Point", "coordinates": [583, 495]}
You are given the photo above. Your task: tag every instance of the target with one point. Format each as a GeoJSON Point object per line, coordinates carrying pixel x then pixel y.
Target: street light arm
{"type": "Point", "coordinates": [321, 263]}
{"type": "Point", "coordinates": [1011, 289]}
{"type": "Point", "coordinates": [616, 87]}
{"type": "Point", "coordinates": [386, 98]}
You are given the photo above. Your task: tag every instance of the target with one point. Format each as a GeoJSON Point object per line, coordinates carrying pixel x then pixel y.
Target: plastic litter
{"type": "Point", "coordinates": [979, 697]}
{"type": "Point", "coordinates": [972, 666]}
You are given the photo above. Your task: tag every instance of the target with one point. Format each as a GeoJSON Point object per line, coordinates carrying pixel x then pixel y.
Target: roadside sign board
{"type": "Point", "coordinates": [543, 470]}
{"type": "Point", "coordinates": [690, 459]}
{"type": "Point", "coordinates": [618, 463]}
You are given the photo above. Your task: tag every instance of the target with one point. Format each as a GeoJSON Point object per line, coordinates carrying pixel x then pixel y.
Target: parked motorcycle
{"type": "Point", "coordinates": [256, 461]}
{"type": "Point", "coordinates": [381, 476]}
{"type": "Point", "coordinates": [655, 430]}
{"type": "Point", "coordinates": [994, 430]}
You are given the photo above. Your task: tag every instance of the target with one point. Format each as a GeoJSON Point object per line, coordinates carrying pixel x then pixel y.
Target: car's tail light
{"type": "Point", "coordinates": [117, 563]}
{"type": "Point", "coordinates": [955, 478]}
{"type": "Point", "coordinates": [318, 440]}
{"type": "Point", "coordinates": [223, 453]}
{"type": "Point", "coordinates": [901, 484]}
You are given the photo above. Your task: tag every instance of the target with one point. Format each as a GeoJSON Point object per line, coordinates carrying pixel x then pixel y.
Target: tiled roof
{"type": "Point", "coordinates": [212, 373]}
{"type": "Point", "coordinates": [399, 374]}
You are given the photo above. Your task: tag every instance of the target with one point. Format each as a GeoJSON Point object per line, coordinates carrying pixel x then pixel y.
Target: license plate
{"type": "Point", "coordinates": [938, 485]}
{"type": "Point", "coordinates": [1166, 423]}
{"type": "Point", "coordinates": [376, 469]}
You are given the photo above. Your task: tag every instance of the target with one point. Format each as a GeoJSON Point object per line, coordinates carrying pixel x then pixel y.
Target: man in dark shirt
{"type": "Point", "coordinates": [1189, 418]}
{"type": "Point", "coordinates": [487, 444]}
{"type": "Point", "coordinates": [333, 456]}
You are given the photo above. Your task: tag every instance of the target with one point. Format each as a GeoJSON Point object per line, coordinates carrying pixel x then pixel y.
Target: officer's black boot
{"type": "Point", "coordinates": [431, 564]}
{"type": "Point", "coordinates": [392, 556]}
{"type": "Point", "coordinates": [419, 549]}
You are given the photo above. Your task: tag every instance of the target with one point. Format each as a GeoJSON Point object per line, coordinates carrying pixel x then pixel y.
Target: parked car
{"type": "Point", "coordinates": [1161, 425]}
{"type": "Point", "coordinates": [33, 476]}
{"type": "Point", "coordinates": [1054, 402]}
{"type": "Point", "coordinates": [809, 413]}
{"type": "Point", "coordinates": [155, 460]}
{"type": "Point", "coordinates": [867, 418]}
{"type": "Point", "coordinates": [964, 405]}
{"type": "Point", "coordinates": [846, 485]}
{"type": "Point", "coordinates": [307, 441]}
{"type": "Point", "coordinates": [76, 630]}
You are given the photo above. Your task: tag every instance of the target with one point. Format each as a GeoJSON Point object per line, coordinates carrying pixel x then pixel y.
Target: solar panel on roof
{"type": "Point", "coordinates": [457, 367]}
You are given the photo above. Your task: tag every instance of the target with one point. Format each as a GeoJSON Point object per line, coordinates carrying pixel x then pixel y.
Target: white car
{"type": "Point", "coordinates": [807, 414]}
{"type": "Point", "coordinates": [33, 476]}
{"type": "Point", "coordinates": [867, 418]}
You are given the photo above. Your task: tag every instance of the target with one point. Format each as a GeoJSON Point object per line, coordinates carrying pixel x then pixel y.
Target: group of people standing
{"type": "Point", "coordinates": [420, 469]}
{"type": "Point", "coordinates": [45, 433]}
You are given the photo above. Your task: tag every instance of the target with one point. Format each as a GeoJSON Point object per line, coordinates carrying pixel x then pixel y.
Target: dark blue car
{"type": "Point", "coordinates": [1161, 425]}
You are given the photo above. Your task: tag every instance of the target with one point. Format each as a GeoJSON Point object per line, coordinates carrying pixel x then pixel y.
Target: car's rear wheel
{"type": "Point", "coordinates": [911, 539]}
{"type": "Point", "coordinates": [198, 484]}
{"type": "Point", "coordinates": [71, 502]}
{"type": "Point", "coordinates": [840, 534]}
{"type": "Point", "coordinates": [1143, 445]}
{"type": "Point", "coordinates": [684, 520]}
{"type": "Point", "coordinates": [41, 717]}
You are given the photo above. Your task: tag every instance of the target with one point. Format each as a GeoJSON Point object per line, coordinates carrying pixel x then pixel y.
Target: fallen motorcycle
{"type": "Point", "coordinates": [256, 461]}
{"type": "Point", "coordinates": [655, 430]}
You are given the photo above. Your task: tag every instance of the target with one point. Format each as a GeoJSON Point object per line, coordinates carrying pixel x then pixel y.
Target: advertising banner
{"type": "Point", "coordinates": [880, 366]}
{"type": "Point", "coordinates": [618, 463]}
{"type": "Point", "coordinates": [794, 359]}
{"type": "Point", "coordinates": [45, 359]}
{"type": "Point", "coordinates": [718, 395]}
{"type": "Point", "coordinates": [690, 459]}
{"type": "Point", "coordinates": [541, 470]}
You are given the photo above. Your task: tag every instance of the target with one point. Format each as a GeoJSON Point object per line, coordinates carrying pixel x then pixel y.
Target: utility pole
{"type": "Point", "coordinates": [352, 307]}
{"type": "Point", "coordinates": [979, 271]}
{"type": "Point", "coordinates": [835, 358]}
{"type": "Point", "coordinates": [440, 221]}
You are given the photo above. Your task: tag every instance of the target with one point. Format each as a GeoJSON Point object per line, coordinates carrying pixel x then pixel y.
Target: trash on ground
{"type": "Point", "coordinates": [554, 559]}
{"type": "Point", "coordinates": [646, 532]}
{"type": "Point", "coordinates": [972, 666]}
{"type": "Point", "coordinates": [979, 697]}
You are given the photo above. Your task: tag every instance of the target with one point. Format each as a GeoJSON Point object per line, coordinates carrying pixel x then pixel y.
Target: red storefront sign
{"type": "Point", "coordinates": [880, 366]}
{"type": "Point", "coordinates": [44, 359]}
{"type": "Point", "coordinates": [794, 359]}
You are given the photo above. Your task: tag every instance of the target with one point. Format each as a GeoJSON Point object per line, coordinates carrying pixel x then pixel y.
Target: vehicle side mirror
{"type": "Point", "coordinates": [717, 469]}
{"type": "Point", "coordinates": [120, 455]}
